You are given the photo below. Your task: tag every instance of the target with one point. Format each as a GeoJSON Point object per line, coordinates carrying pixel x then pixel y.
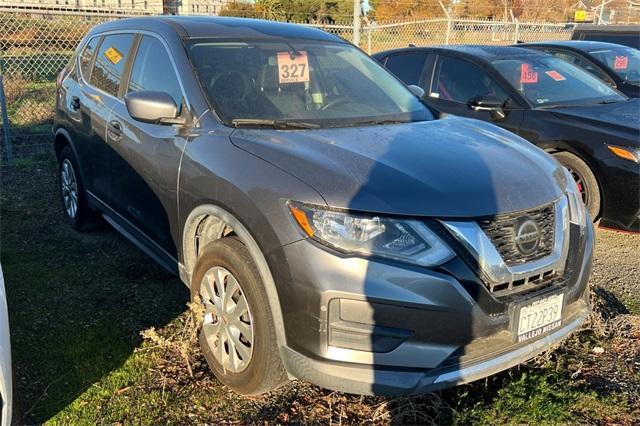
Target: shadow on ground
{"type": "Point", "coordinates": [77, 302]}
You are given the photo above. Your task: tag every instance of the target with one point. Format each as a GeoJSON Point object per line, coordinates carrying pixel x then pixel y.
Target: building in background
{"type": "Point", "coordinates": [144, 7]}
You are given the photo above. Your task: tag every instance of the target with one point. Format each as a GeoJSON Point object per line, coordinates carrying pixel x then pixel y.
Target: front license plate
{"type": "Point", "coordinates": [539, 317]}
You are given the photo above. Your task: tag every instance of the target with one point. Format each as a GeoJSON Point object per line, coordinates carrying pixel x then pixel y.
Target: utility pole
{"type": "Point", "coordinates": [604, 3]}
{"type": "Point", "coordinates": [357, 20]}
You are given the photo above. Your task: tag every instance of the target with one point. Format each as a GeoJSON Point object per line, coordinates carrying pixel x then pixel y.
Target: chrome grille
{"type": "Point", "coordinates": [501, 231]}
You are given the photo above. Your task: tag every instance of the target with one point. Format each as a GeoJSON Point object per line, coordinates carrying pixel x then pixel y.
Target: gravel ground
{"type": "Point", "coordinates": [616, 271]}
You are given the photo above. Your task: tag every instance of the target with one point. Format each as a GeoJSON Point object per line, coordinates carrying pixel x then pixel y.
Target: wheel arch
{"type": "Point", "coordinates": [61, 139]}
{"type": "Point", "coordinates": [211, 222]}
{"type": "Point", "coordinates": [554, 148]}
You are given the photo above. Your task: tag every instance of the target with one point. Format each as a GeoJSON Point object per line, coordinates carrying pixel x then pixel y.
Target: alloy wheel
{"type": "Point", "coordinates": [582, 187]}
{"type": "Point", "coordinates": [69, 186]}
{"type": "Point", "coordinates": [227, 324]}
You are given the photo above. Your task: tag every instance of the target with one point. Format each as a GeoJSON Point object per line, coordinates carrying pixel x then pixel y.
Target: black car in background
{"type": "Point", "coordinates": [617, 65]}
{"type": "Point", "coordinates": [591, 128]}
{"type": "Point", "coordinates": [627, 35]}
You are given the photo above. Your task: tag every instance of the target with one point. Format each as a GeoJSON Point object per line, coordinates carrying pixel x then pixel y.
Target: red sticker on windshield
{"type": "Point", "coordinates": [621, 63]}
{"type": "Point", "coordinates": [527, 76]}
{"type": "Point", "coordinates": [555, 75]}
{"type": "Point", "coordinates": [293, 67]}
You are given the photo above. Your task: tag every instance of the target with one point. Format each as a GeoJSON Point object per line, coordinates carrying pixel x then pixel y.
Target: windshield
{"type": "Point", "coordinates": [549, 81]}
{"type": "Point", "coordinates": [624, 61]}
{"type": "Point", "coordinates": [300, 84]}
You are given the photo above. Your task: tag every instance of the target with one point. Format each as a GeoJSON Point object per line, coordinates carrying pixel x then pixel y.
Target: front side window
{"type": "Point", "coordinates": [458, 80]}
{"type": "Point", "coordinates": [110, 61]}
{"type": "Point", "coordinates": [407, 67]}
{"type": "Point", "coordinates": [86, 56]}
{"type": "Point", "coordinates": [326, 84]}
{"type": "Point", "coordinates": [153, 70]}
{"type": "Point", "coordinates": [623, 61]}
{"type": "Point", "coordinates": [547, 81]}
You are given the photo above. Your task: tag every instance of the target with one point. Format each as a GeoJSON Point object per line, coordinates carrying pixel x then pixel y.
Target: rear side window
{"type": "Point", "coordinates": [407, 67]}
{"type": "Point", "coordinates": [153, 70]}
{"type": "Point", "coordinates": [459, 80]}
{"type": "Point", "coordinates": [87, 56]}
{"type": "Point", "coordinates": [110, 62]}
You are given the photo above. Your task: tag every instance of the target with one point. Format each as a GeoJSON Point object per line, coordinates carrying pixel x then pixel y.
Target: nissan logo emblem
{"type": "Point", "coordinates": [527, 236]}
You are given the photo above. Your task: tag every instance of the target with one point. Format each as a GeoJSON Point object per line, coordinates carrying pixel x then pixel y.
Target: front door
{"type": "Point", "coordinates": [455, 81]}
{"type": "Point", "coordinates": [145, 167]}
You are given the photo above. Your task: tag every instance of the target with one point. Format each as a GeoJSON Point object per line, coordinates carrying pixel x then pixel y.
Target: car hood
{"type": "Point", "coordinates": [619, 119]}
{"type": "Point", "coordinates": [452, 167]}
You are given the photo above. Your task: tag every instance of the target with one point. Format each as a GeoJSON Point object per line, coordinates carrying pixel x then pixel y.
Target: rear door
{"type": "Point", "coordinates": [99, 90]}
{"type": "Point", "coordinates": [455, 81]}
{"type": "Point", "coordinates": [88, 111]}
{"type": "Point", "coordinates": [147, 156]}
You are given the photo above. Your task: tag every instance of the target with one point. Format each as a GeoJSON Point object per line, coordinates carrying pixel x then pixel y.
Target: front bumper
{"type": "Point", "coordinates": [385, 329]}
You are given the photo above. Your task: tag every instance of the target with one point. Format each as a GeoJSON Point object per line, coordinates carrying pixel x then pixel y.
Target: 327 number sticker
{"type": "Point", "coordinates": [293, 67]}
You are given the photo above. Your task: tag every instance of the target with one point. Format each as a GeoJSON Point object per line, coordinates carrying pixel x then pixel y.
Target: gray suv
{"type": "Point", "coordinates": [331, 227]}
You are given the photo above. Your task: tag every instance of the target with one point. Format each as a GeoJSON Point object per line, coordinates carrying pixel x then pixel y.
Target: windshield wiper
{"type": "Point", "coordinates": [608, 101]}
{"type": "Point", "coordinates": [276, 124]}
{"type": "Point", "coordinates": [378, 122]}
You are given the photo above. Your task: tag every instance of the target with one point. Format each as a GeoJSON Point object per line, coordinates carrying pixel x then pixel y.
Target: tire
{"type": "Point", "coordinates": [586, 180]}
{"type": "Point", "coordinates": [82, 215]}
{"type": "Point", "coordinates": [263, 371]}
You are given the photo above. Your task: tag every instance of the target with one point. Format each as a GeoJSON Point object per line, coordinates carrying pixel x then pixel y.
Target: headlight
{"type": "Point", "coordinates": [371, 235]}
{"type": "Point", "coordinates": [577, 209]}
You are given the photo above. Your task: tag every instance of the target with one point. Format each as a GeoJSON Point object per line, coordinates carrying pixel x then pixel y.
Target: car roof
{"type": "Point", "coordinates": [218, 27]}
{"type": "Point", "coordinates": [581, 45]}
{"type": "Point", "coordinates": [478, 52]}
{"type": "Point", "coordinates": [616, 28]}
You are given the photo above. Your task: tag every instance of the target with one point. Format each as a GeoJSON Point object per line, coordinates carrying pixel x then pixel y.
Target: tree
{"type": "Point", "coordinates": [311, 11]}
{"type": "Point", "coordinates": [390, 10]}
{"type": "Point", "coordinates": [240, 9]}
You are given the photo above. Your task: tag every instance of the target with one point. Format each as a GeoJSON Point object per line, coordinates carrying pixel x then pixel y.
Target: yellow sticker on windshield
{"type": "Point", "coordinates": [293, 67]}
{"type": "Point", "coordinates": [113, 55]}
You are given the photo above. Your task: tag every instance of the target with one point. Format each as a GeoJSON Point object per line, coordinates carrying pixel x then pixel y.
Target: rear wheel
{"type": "Point", "coordinates": [74, 201]}
{"type": "Point", "coordinates": [237, 335]}
{"type": "Point", "coordinates": [585, 179]}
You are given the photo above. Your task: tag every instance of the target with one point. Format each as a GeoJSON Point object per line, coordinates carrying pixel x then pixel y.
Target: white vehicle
{"type": "Point", "coordinates": [6, 382]}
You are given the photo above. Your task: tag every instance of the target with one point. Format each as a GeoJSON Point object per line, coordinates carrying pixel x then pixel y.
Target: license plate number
{"type": "Point", "coordinates": [539, 317]}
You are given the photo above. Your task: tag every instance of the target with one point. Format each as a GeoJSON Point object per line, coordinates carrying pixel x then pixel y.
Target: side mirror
{"type": "Point", "coordinates": [153, 107]}
{"type": "Point", "coordinates": [488, 103]}
{"type": "Point", "coordinates": [417, 90]}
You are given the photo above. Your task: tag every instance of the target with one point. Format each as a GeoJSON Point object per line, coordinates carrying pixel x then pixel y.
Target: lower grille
{"type": "Point", "coordinates": [502, 229]}
{"type": "Point", "coordinates": [523, 285]}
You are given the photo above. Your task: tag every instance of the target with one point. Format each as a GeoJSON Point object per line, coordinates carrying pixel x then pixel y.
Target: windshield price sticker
{"type": "Point", "coordinates": [621, 62]}
{"type": "Point", "coordinates": [113, 55]}
{"type": "Point", "coordinates": [293, 67]}
{"type": "Point", "coordinates": [555, 75]}
{"type": "Point", "coordinates": [527, 76]}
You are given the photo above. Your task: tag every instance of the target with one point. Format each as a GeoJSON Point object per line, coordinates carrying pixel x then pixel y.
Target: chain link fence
{"type": "Point", "coordinates": [34, 47]}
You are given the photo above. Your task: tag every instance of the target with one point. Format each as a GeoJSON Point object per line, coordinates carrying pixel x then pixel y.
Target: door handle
{"type": "Point", "coordinates": [75, 103]}
{"type": "Point", "coordinates": [114, 128]}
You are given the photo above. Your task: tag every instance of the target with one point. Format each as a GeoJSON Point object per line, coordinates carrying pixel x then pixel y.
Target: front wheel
{"type": "Point", "coordinates": [585, 179]}
{"type": "Point", "coordinates": [237, 335]}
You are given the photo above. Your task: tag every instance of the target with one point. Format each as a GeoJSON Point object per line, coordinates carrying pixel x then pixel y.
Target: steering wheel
{"type": "Point", "coordinates": [236, 85]}
{"type": "Point", "coordinates": [337, 101]}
